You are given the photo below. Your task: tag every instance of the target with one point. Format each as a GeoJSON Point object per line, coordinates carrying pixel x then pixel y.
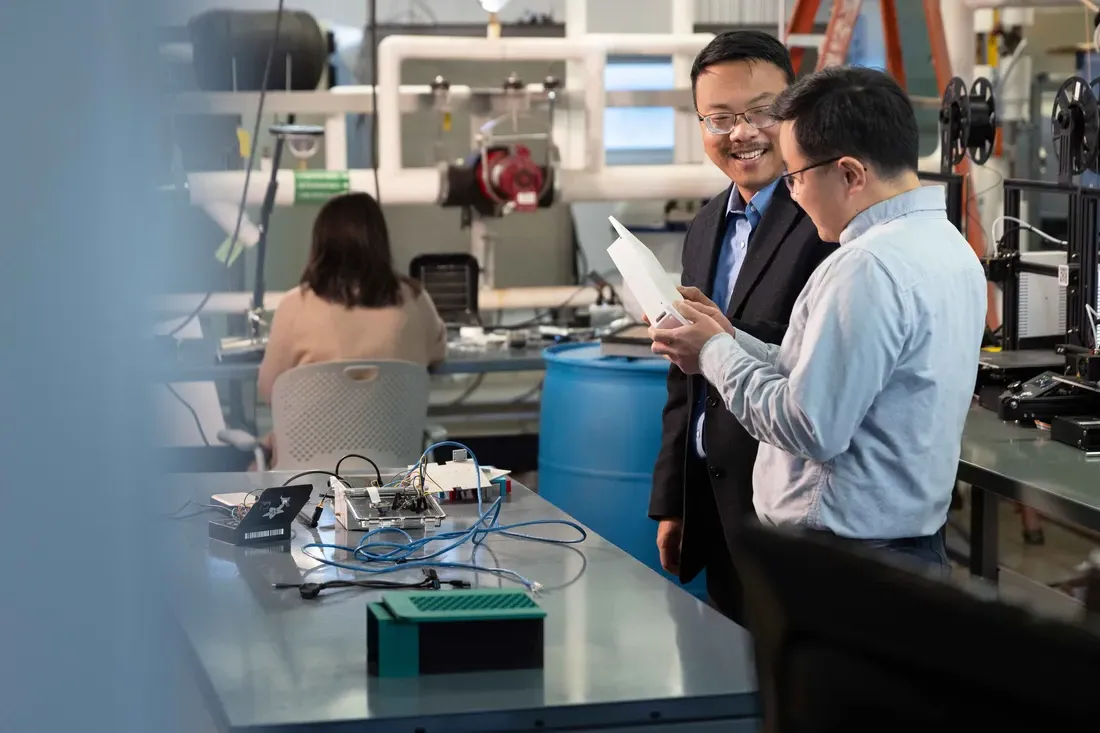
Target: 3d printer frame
{"type": "Point", "coordinates": [1078, 275]}
{"type": "Point", "coordinates": [956, 201]}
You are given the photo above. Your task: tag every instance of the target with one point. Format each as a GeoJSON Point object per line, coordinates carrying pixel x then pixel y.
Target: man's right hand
{"type": "Point", "coordinates": [706, 305]}
{"type": "Point", "coordinates": [669, 534]}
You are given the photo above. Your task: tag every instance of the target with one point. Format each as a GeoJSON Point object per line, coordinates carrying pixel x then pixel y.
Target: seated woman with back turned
{"type": "Point", "coordinates": [351, 304]}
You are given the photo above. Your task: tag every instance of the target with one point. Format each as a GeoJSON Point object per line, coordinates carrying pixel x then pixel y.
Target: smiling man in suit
{"type": "Point", "coordinates": [751, 249]}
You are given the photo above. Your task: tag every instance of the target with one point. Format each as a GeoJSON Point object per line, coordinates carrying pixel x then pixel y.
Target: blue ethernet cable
{"type": "Point", "coordinates": [413, 553]}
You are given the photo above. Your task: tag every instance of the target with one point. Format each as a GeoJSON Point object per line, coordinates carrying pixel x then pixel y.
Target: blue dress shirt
{"type": "Point", "coordinates": [741, 220]}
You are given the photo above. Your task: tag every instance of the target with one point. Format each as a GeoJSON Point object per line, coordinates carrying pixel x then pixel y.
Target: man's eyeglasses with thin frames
{"type": "Point", "coordinates": [722, 123]}
{"type": "Point", "coordinates": [788, 178]}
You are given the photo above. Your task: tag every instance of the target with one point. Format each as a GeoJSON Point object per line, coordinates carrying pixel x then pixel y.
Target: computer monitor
{"type": "Point", "coordinates": [847, 642]}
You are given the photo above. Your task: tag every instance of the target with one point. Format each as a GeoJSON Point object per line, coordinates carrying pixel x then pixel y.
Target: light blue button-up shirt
{"type": "Point", "coordinates": [860, 411]}
{"type": "Point", "coordinates": [741, 220]}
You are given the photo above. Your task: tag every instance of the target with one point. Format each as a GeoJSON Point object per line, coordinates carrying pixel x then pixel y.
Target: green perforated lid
{"type": "Point", "coordinates": [462, 605]}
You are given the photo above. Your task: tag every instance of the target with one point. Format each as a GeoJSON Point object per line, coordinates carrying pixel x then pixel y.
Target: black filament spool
{"type": "Point", "coordinates": [981, 134]}
{"type": "Point", "coordinates": [954, 121]}
{"type": "Point", "coordinates": [1075, 126]}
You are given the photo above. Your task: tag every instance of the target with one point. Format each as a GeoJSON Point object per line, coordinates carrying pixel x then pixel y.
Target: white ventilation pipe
{"type": "Point", "coordinates": [526, 298]}
{"type": "Point", "coordinates": [421, 185]}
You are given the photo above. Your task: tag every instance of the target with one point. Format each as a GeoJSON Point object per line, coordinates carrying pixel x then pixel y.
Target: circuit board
{"type": "Point", "coordinates": [372, 507]}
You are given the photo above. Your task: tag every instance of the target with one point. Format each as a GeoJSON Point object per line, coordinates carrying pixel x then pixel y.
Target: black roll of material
{"type": "Point", "coordinates": [221, 37]}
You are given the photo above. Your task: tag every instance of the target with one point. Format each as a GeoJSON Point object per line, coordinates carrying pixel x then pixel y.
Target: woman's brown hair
{"type": "Point", "coordinates": [350, 261]}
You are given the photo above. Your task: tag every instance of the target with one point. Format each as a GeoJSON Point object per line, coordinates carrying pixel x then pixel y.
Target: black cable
{"type": "Point", "coordinates": [312, 522]}
{"type": "Point", "coordinates": [579, 271]}
{"type": "Point", "coordinates": [472, 387]}
{"type": "Point", "coordinates": [432, 581]}
{"type": "Point", "coordinates": [318, 472]}
{"type": "Point", "coordinates": [529, 393]}
{"type": "Point", "coordinates": [377, 472]}
{"type": "Point", "coordinates": [1009, 229]}
{"type": "Point", "coordinates": [233, 245]}
{"type": "Point", "coordinates": [194, 415]}
{"type": "Point", "coordinates": [374, 99]}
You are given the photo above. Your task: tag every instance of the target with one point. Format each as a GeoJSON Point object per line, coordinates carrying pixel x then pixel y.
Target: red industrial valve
{"type": "Point", "coordinates": [511, 178]}
{"type": "Point", "coordinates": [497, 180]}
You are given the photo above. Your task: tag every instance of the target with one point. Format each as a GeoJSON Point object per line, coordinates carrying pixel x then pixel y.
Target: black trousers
{"type": "Point", "coordinates": [708, 543]}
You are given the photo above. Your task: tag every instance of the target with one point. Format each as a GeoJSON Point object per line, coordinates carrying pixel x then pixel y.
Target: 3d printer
{"type": "Point", "coordinates": [1072, 387]}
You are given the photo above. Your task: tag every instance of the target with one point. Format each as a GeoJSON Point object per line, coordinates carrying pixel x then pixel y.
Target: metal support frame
{"type": "Point", "coordinates": [259, 284]}
{"type": "Point", "coordinates": [955, 194]}
{"type": "Point", "coordinates": [984, 533]}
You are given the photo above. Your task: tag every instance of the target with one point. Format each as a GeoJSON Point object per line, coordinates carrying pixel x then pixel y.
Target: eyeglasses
{"type": "Point", "coordinates": [789, 179]}
{"type": "Point", "coordinates": [722, 123]}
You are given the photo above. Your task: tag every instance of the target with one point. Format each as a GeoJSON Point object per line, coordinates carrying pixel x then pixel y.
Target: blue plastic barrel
{"type": "Point", "coordinates": [599, 435]}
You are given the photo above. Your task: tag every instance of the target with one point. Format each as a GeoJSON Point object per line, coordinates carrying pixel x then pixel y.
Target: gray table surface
{"type": "Point", "coordinates": [623, 646]}
{"type": "Point", "coordinates": [1022, 359]}
{"type": "Point", "coordinates": [206, 368]}
{"type": "Point", "coordinates": [1025, 465]}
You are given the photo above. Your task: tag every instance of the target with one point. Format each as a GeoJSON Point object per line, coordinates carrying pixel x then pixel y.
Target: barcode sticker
{"type": "Point", "coordinates": [264, 533]}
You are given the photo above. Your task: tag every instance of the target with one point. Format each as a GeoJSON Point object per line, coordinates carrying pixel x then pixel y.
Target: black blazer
{"type": "Point", "coordinates": [783, 251]}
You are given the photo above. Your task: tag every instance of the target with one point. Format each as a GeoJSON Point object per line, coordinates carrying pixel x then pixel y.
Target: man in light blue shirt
{"type": "Point", "coordinates": [860, 410]}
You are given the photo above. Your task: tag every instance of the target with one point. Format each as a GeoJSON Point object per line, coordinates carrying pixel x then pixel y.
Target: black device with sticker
{"type": "Point", "coordinates": [268, 519]}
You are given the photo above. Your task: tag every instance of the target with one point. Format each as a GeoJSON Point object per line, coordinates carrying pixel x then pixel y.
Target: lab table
{"type": "Point", "coordinates": [625, 649]}
{"type": "Point", "coordinates": [1004, 460]}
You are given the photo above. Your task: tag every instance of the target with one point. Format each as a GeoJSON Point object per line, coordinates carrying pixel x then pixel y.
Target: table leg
{"type": "Point", "coordinates": [984, 534]}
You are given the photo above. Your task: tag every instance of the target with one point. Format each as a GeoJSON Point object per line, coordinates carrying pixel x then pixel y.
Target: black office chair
{"type": "Point", "coordinates": [452, 282]}
{"type": "Point", "coordinates": [845, 642]}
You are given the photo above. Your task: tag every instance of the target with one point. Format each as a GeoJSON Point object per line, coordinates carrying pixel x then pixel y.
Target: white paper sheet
{"type": "Point", "coordinates": [646, 279]}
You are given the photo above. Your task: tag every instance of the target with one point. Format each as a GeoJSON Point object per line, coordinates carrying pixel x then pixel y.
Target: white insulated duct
{"type": "Point", "coordinates": [421, 185]}
{"type": "Point", "coordinates": [528, 298]}
{"type": "Point", "coordinates": [414, 186]}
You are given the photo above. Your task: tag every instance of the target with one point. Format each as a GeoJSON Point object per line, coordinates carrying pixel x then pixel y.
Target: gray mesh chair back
{"type": "Point", "coordinates": [325, 411]}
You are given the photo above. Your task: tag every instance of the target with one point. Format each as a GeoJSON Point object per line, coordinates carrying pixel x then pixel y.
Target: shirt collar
{"type": "Point", "coordinates": [922, 198]}
{"type": "Point", "coordinates": [759, 202]}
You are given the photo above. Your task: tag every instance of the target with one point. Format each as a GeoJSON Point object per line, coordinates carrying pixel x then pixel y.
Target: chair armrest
{"type": "Point", "coordinates": [239, 439]}
{"type": "Point", "coordinates": [247, 443]}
